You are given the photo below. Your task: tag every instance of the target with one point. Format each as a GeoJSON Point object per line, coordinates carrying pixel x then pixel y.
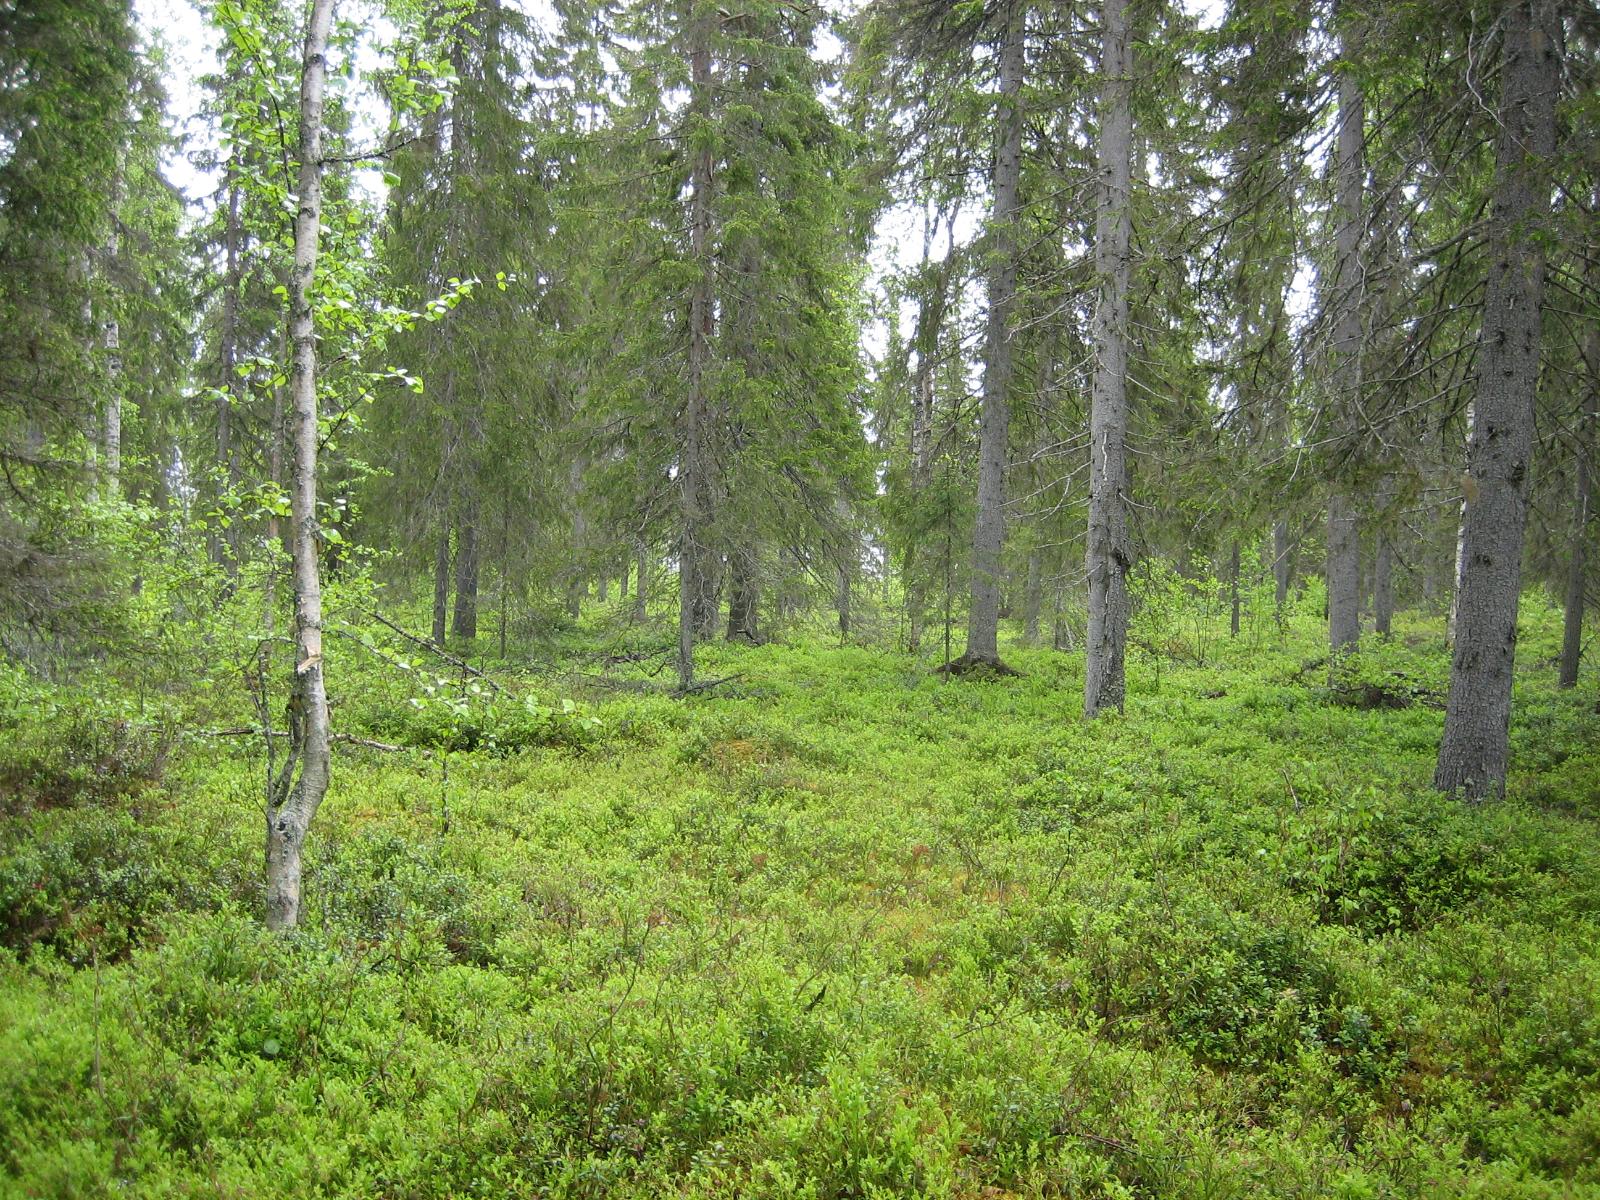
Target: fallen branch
{"type": "Point", "coordinates": [431, 648]}
{"type": "Point", "coordinates": [1175, 651]}
{"type": "Point", "coordinates": [1109, 1143]}
{"type": "Point", "coordinates": [621, 685]}
{"type": "Point", "coordinates": [1307, 667]}
{"type": "Point", "coordinates": [634, 656]}
{"type": "Point", "coordinates": [707, 685]}
{"type": "Point", "coordinates": [348, 739]}
{"type": "Point", "coordinates": [351, 739]}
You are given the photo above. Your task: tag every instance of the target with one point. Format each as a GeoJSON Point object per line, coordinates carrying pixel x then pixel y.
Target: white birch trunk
{"type": "Point", "coordinates": [300, 786]}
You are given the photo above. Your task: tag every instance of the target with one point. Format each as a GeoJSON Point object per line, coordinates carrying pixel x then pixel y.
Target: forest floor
{"type": "Point", "coordinates": [834, 928]}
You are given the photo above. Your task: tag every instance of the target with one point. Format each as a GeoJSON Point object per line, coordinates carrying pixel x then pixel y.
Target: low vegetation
{"type": "Point", "coordinates": [839, 927]}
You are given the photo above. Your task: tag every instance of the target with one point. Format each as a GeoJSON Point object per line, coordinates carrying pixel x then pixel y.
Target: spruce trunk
{"type": "Point", "coordinates": [225, 544]}
{"type": "Point", "coordinates": [1280, 563]}
{"type": "Point", "coordinates": [1233, 589]}
{"type": "Point", "coordinates": [743, 595]}
{"type": "Point", "coordinates": [1577, 563]}
{"type": "Point", "coordinates": [694, 466]}
{"type": "Point", "coordinates": [1344, 531]}
{"type": "Point", "coordinates": [111, 345]}
{"type": "Point", "coordinates": [1110, 554]}
{"type": "Point", "coordinates": [465, 623]}
{"type": "Point", "coordinates": [1032, 597]}
{"type": "Point", "coordinates": [1474, 749]}
{"type": "Point", "coordinates": [983, 624]}
{"type": "Point", "coordinates": [441, 583]}
{"type": "Point", "coordinates": [1383, 585]}
{"type": "Point", "coordinates": [1577, 583]}
{"type": "Point", "coordinates": [641, 554]}
{"type": "Point", "coordinates": [1343, 573]}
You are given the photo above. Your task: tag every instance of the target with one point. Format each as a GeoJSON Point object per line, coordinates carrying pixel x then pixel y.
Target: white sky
{"type": "Point", "coordinates": [190, 46]}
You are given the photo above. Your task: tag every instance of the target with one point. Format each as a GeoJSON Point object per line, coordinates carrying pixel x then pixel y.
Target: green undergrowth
{"type": "Point", "coordinates": [834, 928]}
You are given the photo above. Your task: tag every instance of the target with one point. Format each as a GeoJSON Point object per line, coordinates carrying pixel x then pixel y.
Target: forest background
{"type": "Point", "coordinates": [918, 598]}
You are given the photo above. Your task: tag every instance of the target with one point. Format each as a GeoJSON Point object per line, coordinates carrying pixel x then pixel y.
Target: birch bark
{"type": "Point", "coordinates": [299, 788]}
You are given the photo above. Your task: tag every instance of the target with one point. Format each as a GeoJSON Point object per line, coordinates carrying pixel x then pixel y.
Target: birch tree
{"type": "Point", "coordinates": [302, 781]}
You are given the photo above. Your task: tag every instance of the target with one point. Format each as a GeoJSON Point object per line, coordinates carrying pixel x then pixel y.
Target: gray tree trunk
{"type": "Point", "coordinates": [1343, 572]}
{"type": "Point", "coordinates": [1383, 585]}
{"type": "Point", "coordinates": [441, 583]}
{"type": "Point", "coordinates": [842, 598]}
{"type": "Point", "coordinates": [465, 622]}
{"type": "Point", "coordinates": [111, 423]}
{"type": "Point", "coordinates": [1473, 751]}
{"type": "Point", "coordinates": [916, 602]}
{"type": "Point", "coordinates": [1233, 588]}
{"type": "Point", "coordinates": [1032, 597]}
{"type": "Point", "coordinates": [1279, 372]}
{"type": "Point", "coordinates": [275, 436]}
{"type": "Point", "coordinates": [849, 559]}
{"type": "Point", "coordinates": [1280, 562]}
{"type": "Point", "coordinates": [1344, 532]}
{"type": "Point", "coordinates": [983, 621]}
{"type": "Point", "coordinates": [694, 465]}
{"type": "Point", "coordinates": [1577, 562]}
{"type": "Point", "coordinates": [111, 347]}
{"type": "Point", "coordinates": [1577, 583]}
{"type": "Point", "coordinates": [1110, 554]}
{"type": "Point", "coordinates": [707, 607]}
{"type": "Point", "coordinates": [1061, 630]}
{"type": "Point", "coordinates": [91, 449]}
{"type": "Point", "coordinates": [925, 341]}
{"type": "Point", "coordinates": [577, 580]}
{"type": "Point", "coordinates": [744, 589]}
{"type": "Point", "coordinates": [641, 575]}
{"type": "Point", "coordinates": [298, 787]}
{"type": "Point", "coordinates": [225, 545]}
{"type": "Point", "coordinates": [502, 583]}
